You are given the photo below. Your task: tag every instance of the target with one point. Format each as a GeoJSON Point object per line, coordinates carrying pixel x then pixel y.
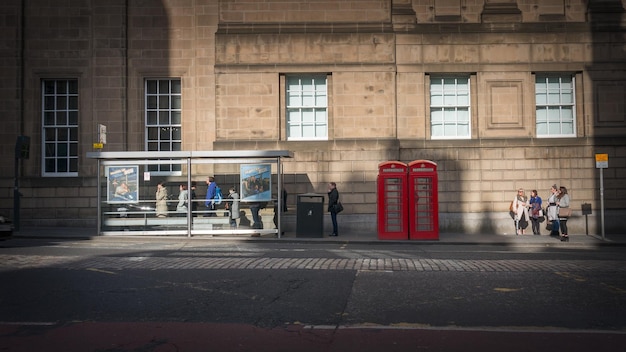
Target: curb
{"type": "Point", "coordinates": [589, 241]}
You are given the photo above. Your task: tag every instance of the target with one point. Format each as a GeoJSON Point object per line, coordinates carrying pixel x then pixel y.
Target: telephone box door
{"type": "Point", "coordinates": [423, 201]}
{"type": "Point", "coordinates": [392, 201]}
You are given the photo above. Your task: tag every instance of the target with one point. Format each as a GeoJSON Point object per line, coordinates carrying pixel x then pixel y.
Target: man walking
{"type": "Point", "coordinates": [209, 202]}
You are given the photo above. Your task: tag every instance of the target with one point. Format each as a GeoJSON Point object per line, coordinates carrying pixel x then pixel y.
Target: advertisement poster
{"type": "Point", "coordinates": [256, 182]}
{"type": "Point", "coordinates": [122, 184]}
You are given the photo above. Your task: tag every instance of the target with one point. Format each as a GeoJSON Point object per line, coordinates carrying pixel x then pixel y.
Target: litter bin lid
{"type": "Point", "coordinates": [310, 198]}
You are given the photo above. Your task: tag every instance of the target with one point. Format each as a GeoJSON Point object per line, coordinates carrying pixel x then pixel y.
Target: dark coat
{"type": "Point", "coordinates": [333, 198]}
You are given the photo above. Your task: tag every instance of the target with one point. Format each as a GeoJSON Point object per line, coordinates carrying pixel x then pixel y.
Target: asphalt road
{"type": "Point", "coordinates": [188, 295]}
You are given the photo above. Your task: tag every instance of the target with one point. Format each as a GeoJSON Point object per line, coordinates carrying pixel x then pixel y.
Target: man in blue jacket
{"type": "Point", "coordinates": [210, 196]}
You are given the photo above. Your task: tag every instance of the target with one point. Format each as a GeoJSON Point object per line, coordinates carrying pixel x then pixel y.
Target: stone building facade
{"type": "Point", "coordinates": [501, 94]}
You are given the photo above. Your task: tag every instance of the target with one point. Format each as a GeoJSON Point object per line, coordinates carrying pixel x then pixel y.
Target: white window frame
{"type": "Point", "coordinates": [448, 102]}
{"type": "Point", "coordinates": [59, 121]}
{"type": "Point", "coordinates": [163, 120]}
{"type": "Point", "coordinates": [306, 107]}
{"type": "Point", "coordinates": [553, 93]}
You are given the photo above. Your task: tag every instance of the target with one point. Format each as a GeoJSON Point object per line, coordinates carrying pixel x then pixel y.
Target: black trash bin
{"type": "Point", "coordinates": [310, 215]}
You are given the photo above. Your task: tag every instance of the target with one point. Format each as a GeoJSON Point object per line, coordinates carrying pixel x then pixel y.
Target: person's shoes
{"type": "Point", "coordinates": [333, 235]}
{"type": "Point", "coordinates": [565, 238]}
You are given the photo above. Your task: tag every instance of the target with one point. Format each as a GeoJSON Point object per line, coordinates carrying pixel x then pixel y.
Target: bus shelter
{"type": "Point", "coordinates": [127, 184]}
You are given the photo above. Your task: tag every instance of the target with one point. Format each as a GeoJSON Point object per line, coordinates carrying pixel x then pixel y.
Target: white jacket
{"type": "Point", "coordinates": [520, 208]}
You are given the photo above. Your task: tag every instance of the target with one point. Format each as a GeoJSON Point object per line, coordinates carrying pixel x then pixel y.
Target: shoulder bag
{"type": "Point", "coordinates": [565, 212]}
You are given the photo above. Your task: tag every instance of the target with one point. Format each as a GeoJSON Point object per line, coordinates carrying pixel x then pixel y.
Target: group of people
{"type": "Point", "coordinates": [232, 203]}
{"type": "Point", "coordinates": [557, 211]}
{"type": "Point", "coordinates": [184, 195]}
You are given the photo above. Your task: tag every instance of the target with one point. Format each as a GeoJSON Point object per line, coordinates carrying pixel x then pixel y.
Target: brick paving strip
{"type": "Point", "coordinates": [15, 262]}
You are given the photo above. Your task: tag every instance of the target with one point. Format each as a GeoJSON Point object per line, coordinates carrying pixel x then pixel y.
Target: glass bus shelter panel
{"type": "Point", "coordinates": [127, 194]}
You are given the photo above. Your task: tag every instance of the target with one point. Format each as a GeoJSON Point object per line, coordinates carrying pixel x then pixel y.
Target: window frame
{"type": "Point", "coordinates": [315, 124]}
{"type": "Point", "coordinates": [442, 107]}
{"type": "Point", "coordinates": [572, 105]}
{"type": "Point", "coordinates": [154, 112]}
{"type": "Point", "coordinates": [51, 113]}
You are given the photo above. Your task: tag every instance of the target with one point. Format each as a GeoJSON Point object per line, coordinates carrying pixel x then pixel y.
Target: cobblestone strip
{"type": "Point", "coordinates": [13, 262]}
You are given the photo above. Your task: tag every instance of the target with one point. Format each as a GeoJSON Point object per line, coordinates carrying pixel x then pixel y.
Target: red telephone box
{"type": "Point", "coordinates": [423, 200]}
{"type": "Point", "coordinates": [392, 201]}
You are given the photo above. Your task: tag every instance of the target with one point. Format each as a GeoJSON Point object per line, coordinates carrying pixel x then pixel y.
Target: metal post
{"type": "Point", "coordinates": [189, 200]}
{"type": "Point", "coordinates": [99, 199]}
{"type": "Point", "coordinates": [16, 197]}
{"type": "Point", "coordinates": [602, 202]}
{"type": "Point", "coordinates": [279, 196]}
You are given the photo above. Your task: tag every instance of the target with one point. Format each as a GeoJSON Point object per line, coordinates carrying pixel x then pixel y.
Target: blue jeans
{"type": "Point", "coordinates": [256, 219]}
{"type": "Point", "coordinates": [556, 225]}
{"type": "Point", "coordinates": [333, 217]}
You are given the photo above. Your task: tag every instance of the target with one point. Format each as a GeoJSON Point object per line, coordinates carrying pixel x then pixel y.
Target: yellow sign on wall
{"type": "Point", "coordinates": [602, 161]}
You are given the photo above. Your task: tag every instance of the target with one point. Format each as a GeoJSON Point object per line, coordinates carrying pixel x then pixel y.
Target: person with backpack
{"type": "Point", "coordinates": [213, 192]}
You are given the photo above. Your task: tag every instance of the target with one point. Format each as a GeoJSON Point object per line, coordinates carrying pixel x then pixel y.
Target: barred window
{"type": "Point", "coordinates": [307, 107]}
{"type": "Point", "coordinates": [555, 105]}
{"type": "Point", "coordinates": [163, 99]}
{"type": "Point", "coordinates": [60, 127]}
{"type": "Point", "coordinates": [450, 107]}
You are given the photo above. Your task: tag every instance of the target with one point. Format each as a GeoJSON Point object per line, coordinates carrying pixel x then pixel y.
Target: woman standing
{"type": "Point", "coordinates": [520, 207]}
{"type": "Point", "coordinates": [333, 199]}
{"type": "Point", "coordinates": [233, 207]}
{"type": "Point", "coordinates": [535, 211]}
{"type": "Point", "coordinates": [161, 200]}
{"type": "Point", "coordinates": [553, 210]}
{"type": "Point", "coordinates": [183, 198]}
{"type": "Point", "coordinates": [563, 203]}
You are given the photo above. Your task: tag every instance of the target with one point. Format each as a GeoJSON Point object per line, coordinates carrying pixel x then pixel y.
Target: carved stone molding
{"type": "Point", "coordinates": [501, 12]}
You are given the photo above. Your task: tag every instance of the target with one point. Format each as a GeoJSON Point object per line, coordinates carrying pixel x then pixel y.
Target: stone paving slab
{"type": "Point", "coordinates": [113, 263]}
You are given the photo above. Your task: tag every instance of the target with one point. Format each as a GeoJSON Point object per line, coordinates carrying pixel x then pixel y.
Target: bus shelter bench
{"type": "Point", "coordinates": [197, 222]}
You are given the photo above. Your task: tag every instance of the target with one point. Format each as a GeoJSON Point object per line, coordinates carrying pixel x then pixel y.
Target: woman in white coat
{"type": "Point", "coordinates": [161, 200]}
{"type": "Point", "coordinates": [183, 200]}
{"type": "Point", "coordinates": [520, 208]}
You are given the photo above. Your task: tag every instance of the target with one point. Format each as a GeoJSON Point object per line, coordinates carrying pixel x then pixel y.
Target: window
{"type": "Point", "coordinates": [163, 120]}
{"type": "Point", "coordinates": [450, 107]}
{"type": "Point", "coordinates": [60, 127]}
{"type": "Point", "coordinates": [554, 99]}
{"type": "Point", "coordinates": [307, 107]}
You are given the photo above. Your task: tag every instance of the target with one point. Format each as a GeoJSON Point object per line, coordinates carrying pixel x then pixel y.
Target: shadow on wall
{"type": "Point", "coordinates": [606, 19]}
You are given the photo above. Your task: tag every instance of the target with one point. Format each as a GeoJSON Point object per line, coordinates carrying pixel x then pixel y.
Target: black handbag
{"type": "Point", "coordinates": [338, 207]}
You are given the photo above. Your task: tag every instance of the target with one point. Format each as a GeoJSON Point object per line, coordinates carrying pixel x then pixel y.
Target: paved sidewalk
{"type": "Point", "coordinates": [360, 237]}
